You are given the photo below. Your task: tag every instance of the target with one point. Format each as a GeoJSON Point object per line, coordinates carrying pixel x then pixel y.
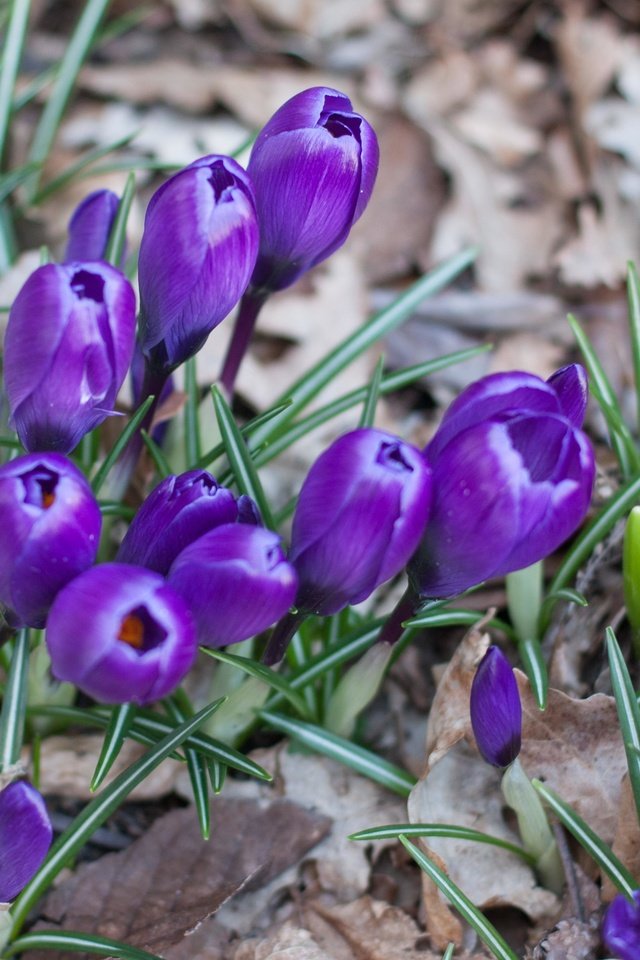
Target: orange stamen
{"type": "Point", "coordinates": [47, 499]}
{"type": "Point", "coordinates": [132, 631]}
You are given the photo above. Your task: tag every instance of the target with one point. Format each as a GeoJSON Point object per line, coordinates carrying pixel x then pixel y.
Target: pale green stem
{"type": "Point", "coordinates": [356, 689]}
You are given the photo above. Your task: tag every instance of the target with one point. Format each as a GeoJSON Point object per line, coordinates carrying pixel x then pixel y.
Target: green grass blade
{"type": "Point", "coordinates": [179, 710]}
{"type": "Point", "coordinates": [161, 463]}
{"type": "Point", "coordinates": [193, 450]}
{"type": "Point", "coordinates": [621, 439]}
{"type": "Point", "coordinates": [581, 549]}
{"type": "Point", "coordinates": [218, 451]}
{"type": "Point", "coordinates": [14, 702]}
{"type": "Point", "coordinates": [9, 181]}
{"type": "Point", "coordinates": [451, 617]}
{"type": "Point", "coordinates": [217, 775]}
{"type": "Point", "coordinates": [266, 674]}
{"type": "Point", "coordinates": [114, 251]}
{"type": "Point", "coordinates": [357, 758]}
{"type": "Point", "coordinates": [122, 717]}
{"type": "Point", "coordinates": [11, 56]}
{"type": "Point", "coordinates": [467, 910]}
{"type": "Point", "coordinates": [448, 954]}
{"type": "Point", "coordinates": [8, 241]}
{"type": "Point", "coordinates": [393, 831]}
{"type": "Point", "coordinates": [97, 811]}
{"type": "Point", "coordinates": [64, 940]}
{"type": "Point", "coordinates": [533, 661]}
{"type": "Point", "coordinates": [589, 840]}
{"type": "Point", "coordinates": [633, 302]}
{"type": "Point", "coordinates": [371, 402]}
{"type": "Point", "coordinates": [75, 55]}
{"type": "Point", "coordinates": [73, 170]}
{"type": "Point", "coordinates": [312, 382]}
{"type": "Point", "coordinates": [392, 381]}
{"type": "Point", "coordinates": [120, 444]}
{"type": "Point", "coordinates": [628, 712]}
{"type": "Point", "coordinates": [244, 471]}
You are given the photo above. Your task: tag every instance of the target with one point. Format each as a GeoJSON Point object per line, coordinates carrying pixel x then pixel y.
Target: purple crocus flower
{"type": "Point", "coordinates": [90, 226]}
{"type": "Point", "coordinates": [236, 581]}
{"type": "Point", "coordinates": [68, 347]}
{"type": "Point", "coordinates": [360, 515]}
{"type": "Point", "coordinates": [49, 532]}
{"type": "Point", "coordinates": [496, 711]}
{"type": "Point", "coordinates": [25, 837]}
{"type": "Point", "coordinates": [313, 167]}
{"type": "Point", "coordinates": [197, 254]}
{"type": "Point", "coordinates": [180, 510]}
{"type": "Point", "coordinates": [121, 635]}
{"type": "Point", "coordinates": [621, 927]}
{"type": "Point", "coordinates": [512, 476]}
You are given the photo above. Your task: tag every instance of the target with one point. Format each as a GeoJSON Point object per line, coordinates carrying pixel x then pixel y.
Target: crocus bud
{"type": "Point", "coordinates": [121, 635]}
{"type": "Point", "coordinates": [621, 927]}
{"type": "Point", "coordinates": [512, 477]}
{"type": "Point", "coordinates": [496, 711]}
{"type": "Point", "coordinates": [360, 515]}
{"type": "Point", "coordinates": [68, 347]}
{"type": "Point", "coordinates": [49, 532]}
{"type": "Point", "coordinates": [180, 510]}
{"type": "Point", "coordinates": [90, 226]}
{"type": "Point", "coordinates": [197, 254]}
{"type": "Point", "coordinates": [236, 582]}
{"type": "Point", "coordinates": [313, 167]}
{"type": "Point", "coordinates": [25, 837]}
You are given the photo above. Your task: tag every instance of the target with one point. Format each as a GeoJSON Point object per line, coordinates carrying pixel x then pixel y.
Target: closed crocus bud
{"type": "Point", "coordinates": [496, 711]}
{"type": "Point", "coordinates": [360, 515]}
{"type": "Point", "coordinates": [180, 510]}
{"type": "Point", "coordinates": [512, 476]}
{"type": "Point", "coordinates": [68, 346]}
{"type": "Point", "coordinates": [197, 254]}
{"type": "Point", "coordinates": [313, 167]}
{"type": "Point", "coordinates": [90, 226]}
{"type": "Point", "coordinates": [49, 532]}
{"type": "Point", "coordinates": [236, 581]}
{"type": "Point", "coordinates": [621, 927]}
{"type": "Point", "coordinates": [25, 837]}
{"type": "Point", "coordinates": [121, 635]}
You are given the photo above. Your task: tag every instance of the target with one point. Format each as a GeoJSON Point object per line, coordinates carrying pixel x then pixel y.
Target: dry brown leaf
{"type": "Point", "coordinates": [152, 894]}
{"type": "Point", "coordinates": [626, 841]}
{"type": "Point", "coordinates": [324, 20]}
{"type": "Point", "coordinates": [591, 51]}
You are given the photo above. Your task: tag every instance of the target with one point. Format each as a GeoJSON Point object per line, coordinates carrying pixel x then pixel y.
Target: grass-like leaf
{"type": "Point", "coordinates": [193, 450]}
{"type": "Point", "coordinates": [628, 712]}
{"type": "Point", "coordinates": [467, 910]}
{"type": "Point", "coordinates": [581, 549]}
{"type": "Point", "coordinates": [392, 831]}
{"type": "Point", "coordinates": [9, 181]}
{"type": "Point", "coordinates": [122, 716]}
{"type": "Point", "coordinates": [392, 381]}
{"type": "Point", "coordinates": [597, 849]}
{"type": "Point", "coordinates": [311, 383]}
{"type": "Point", "coordinates": [120, 444]}
{"type": "Point", "coordinates": [179, 710]}
{"type": "Point", "coordinates": [73, 170]}
{"type": "Point", "coordinates": [219, 450]}
{"type": "Point", "coordinates": [12, 48]}
{"type": "Point", "coordinates": [266, 674]}
{"type": "Point", "coordinates": [243, 467]}
{"type": "Point", "coordinates": [535, 667]}
{"type": "Point", "coordinates": [97, 811]}
{"type": "Point", "coordinates": [75, 55]}
{"type": "Point", "coordinates": [161, 463]}
{"type": "Point", "coordinates": [621, 439]}
{"type": "Point", "coordinates": [14, 702]}
{"type": "Point", "coordinates": [448, 954]}
{"type": "Point", "coordinates": [63, 940]}
{"type": "Point", "coordinates": [371, 402]}
{"type": "Point", "coordinates": [633, 303]}
{"type": "Point", "coordinates": [357, 758]}
{"type": "Point", "coordinates": [118, 237]}
{"type": "Point", "coordinates": [450, 617]}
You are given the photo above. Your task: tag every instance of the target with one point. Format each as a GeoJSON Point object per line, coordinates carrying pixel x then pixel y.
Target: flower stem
{"type": "Point", "coordinates": [405, 608]}
{"type": "Point", "coordinates": [250, 307]}
{"type": "Point", "coordinates": [124, 469]}
{"type": "Point", "coordinates": [281, 635]}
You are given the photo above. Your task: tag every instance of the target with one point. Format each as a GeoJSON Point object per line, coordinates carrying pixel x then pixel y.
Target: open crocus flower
{"type": "Point", "coordinates": [68, 347]}
{"type": "Point", "coordinates": [512, 478]}
{"type": "Point", "coordinates": [49, 532]}
{"type": "Point", "coordinates": [313, 167]}
{"type": "Point", "coordinates": [25, 837]}
{"type": "Point", "coordinates": [360, 515]}
{"type": "Point", "coordinates": [197, 254]}
{"type": "Point", "coordinates": [121, 635]}
{"type": "Point", "coordinates": [496, 711]}
{"type": "Point", "coordinates": [621, 927]}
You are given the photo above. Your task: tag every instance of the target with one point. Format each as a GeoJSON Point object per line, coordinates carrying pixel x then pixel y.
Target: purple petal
{"type": "Point", "coordinates": [572, 388]}
{"type": "Point", "coordinates": [496, 711]}
{"type": "Point", "coordinates": [236, 582]}
{"type": "Point", "coordinates": [25, 837]}
{"type": "Point", "coordinates": [621, 927]}
{"type": "Point", "coordinates": [90, 226]}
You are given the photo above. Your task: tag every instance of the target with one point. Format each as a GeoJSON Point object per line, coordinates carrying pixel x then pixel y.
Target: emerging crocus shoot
{"type": "Point", "coordinates": [496, 719]}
